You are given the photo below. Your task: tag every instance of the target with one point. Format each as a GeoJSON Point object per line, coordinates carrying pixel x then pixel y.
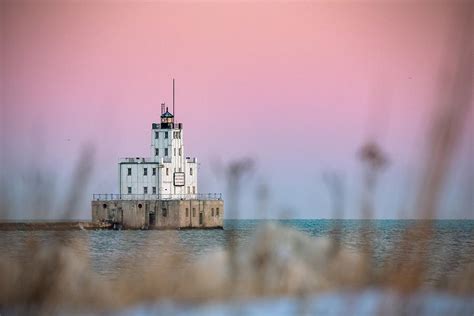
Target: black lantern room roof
{"type": "Point", "coordinates": [167, 115]}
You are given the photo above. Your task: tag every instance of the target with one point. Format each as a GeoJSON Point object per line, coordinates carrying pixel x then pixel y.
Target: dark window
{"type": "Point", "coordinates": [153, 171]}
{"type": "Point", "coordinates": [190, 171]}
{"type": "Point", "coordinates": [194, 212]}
{"type": "Point", "coordinates": [174, 151]}
{"type": "Point", "coordinates": [166, 134]}
{"type": "Point", "coordinates": [157, 151]}
{"type": "Point", "coordinates": [145, 171]}
{"type": "Point", "coordinates": [217, 211]}
{"type": "Point", "coordinates": [154, 190]}
{"type": "Point", "coordinates": [164, 212]}
{"type": "Point", "coordinates": [129, 190]}
{"type": "Point", "coordinates": [166, 152]}
{"type": "Point", "coordinates": [212, 212]}
{"type": "Point", "coordinates": [145, 190]}
{"type": "Point", "coordinates": [157, 135]}
{"type": "Point", "coordinates": [187, 212]}
{"type": "Point", "coordinates": [201, 215]}
{"type": "Point", "coordinates": [167, 172]}
{"type": "Point", "coordinates": [129, 171]}
{"type": "Point", "coordinates": [180, 151]}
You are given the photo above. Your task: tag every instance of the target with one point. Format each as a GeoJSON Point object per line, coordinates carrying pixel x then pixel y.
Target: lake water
{"type": "Point", "coordinates": [110, 252]}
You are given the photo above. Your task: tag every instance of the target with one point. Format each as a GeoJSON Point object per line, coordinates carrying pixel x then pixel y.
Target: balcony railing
{"type": "Point", "coordinates": [167, 159]}
{"type": "Point", "coordinates": [167, 125]}
{"type": "Point", "coordinates": [135, 197]}
{"type": "Point", "coordinates": [136, 159]}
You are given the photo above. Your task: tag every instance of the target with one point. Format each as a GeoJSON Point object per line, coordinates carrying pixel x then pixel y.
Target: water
{"type": "Point", "coordinates": [111, 252]}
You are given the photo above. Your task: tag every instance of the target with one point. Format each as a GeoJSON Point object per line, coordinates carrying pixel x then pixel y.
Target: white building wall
{"type": "Point", "coordinates": [137, 181]}
{"type": "Point", "coordinates": [191, 176]}
{"type": "Point", "coordinates": [166, 183]}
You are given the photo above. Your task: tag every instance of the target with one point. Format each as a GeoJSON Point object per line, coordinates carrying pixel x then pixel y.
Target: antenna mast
{"type": "Point", "coordinates": [174, 114]}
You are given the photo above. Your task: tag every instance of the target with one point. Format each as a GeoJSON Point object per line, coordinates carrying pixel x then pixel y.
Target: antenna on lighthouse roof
{"type": "Point", "coordinates": [173, 100]}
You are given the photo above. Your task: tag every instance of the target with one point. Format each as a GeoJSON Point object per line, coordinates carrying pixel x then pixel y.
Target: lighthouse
{"type": "Point", "coordinates": [160, 191]}
{"type": "Point", "coordinates": [168, 173]}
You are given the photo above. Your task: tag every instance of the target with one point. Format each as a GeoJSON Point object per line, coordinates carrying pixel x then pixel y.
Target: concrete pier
{"type": "Point", "coordinates": [159, 214]}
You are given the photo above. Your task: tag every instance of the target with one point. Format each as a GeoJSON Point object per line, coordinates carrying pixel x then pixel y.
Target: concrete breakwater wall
{"type": "Point", "coordinates": [53, 226]}
{"type": "Point", "coordinates": [159, 214]}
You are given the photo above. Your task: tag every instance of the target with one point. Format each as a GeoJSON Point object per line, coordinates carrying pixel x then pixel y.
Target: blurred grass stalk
{"type": "Point", "coordinates": [454, 101]}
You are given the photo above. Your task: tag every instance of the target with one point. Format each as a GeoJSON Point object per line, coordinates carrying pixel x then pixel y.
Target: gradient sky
{"type": "Point", "coordinates": [298, 87]}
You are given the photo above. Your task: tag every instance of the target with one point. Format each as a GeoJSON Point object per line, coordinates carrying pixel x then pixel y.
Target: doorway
{"type": "Point", "coordinates": [151, 219]}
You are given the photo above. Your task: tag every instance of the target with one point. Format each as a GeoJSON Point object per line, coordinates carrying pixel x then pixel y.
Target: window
{"type": "Point", "coordinates": [154, 190]}
{"type": "Point", "coordinates": [174, 151]}
{"type": "Point", "coordinates": [217, 211]}
{"type": "Point", "coordinates": [189, 190]}
{"type": "Point", "coordinates": [212, 212]}
{"type": "Point", "coordinates": [167, 172]}
{"type": "Point", "coordinates": [145, 190]}
{"type": "Point", "coordinates": [190, 171]}
{"type": "Point", "coordinates": [145, 171]}
{"type": "Point", "coordinates": [179, 169]}
{"type": "Point", "coordinates": [157, 135]}
{"type": "Point", "coordinates": [129, 190]}
{"type": "Point", "coordinates": [187, 212]}
{"type": "Point", "coordinates": [194, 189]}
{"type": "Point", "coordinates": [180, 151]}
{"type": "Point", "coordinates": [164, 212]}
{"type": "Point", "coordinates": [153, 171]}
{"type": "Point", "coordinates": [166, 152]}
{"type": "Point", "coordinates": [194, 212]}
{"type": "Point", "coordinates": [157, 151]}
{"type": "Point", "coordinates": [129, 171]}
{"type": "Point", "coordinates": [166, 134]}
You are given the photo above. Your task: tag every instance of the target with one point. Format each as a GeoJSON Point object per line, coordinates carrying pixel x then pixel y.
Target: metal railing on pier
{"type": "Point", "coordinates": [134, 197]}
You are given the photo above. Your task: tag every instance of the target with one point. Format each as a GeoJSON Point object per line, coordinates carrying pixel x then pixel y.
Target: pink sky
{"type": "Point", "coordinates": [299, 87]}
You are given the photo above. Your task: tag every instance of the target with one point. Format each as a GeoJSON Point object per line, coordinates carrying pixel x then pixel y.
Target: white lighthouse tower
{"type": "Point", "coordinates": [168, 174]}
